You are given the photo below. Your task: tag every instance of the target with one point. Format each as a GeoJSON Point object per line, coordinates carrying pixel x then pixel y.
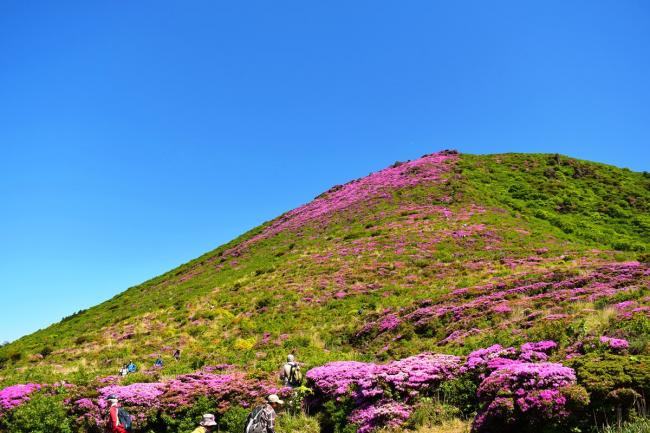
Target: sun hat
{"type": "Point", "coordinates": [290, 358]}
{"type": "Point", "coordinates": [112, 397]}
{"type": "Point", "coordinates": [208, 419]}
{"type": "Point", "coordinates": [273, 398]}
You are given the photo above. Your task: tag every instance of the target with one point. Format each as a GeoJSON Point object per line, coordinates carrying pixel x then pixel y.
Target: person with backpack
{"type": "Point", "coordinates": [207, 424]}
{"type": "Point", "coordinates": [158, 363]}
{"type": "Point", "coordinates": [262, 418]}
{"type": "Point", "coordinates": [291, 374]}
{"type": "Point", "coordinates": [119, 421]}
{"type": "Point", "coordinates": [131, 367]}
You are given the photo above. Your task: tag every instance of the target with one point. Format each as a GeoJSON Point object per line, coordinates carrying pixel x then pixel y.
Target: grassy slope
{"type": "Point", "coordinates": [493, 218]}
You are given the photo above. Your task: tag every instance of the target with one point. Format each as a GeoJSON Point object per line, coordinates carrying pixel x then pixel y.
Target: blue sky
{"type": "Point", "coordinates": [135, 136]}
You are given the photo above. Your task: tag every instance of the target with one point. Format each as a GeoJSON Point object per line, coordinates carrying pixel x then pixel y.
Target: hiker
{"type": "Point", "coordinates": [119, 421]}
{"type": "Point", "coordinates": [158, 363]}
{"type": "Point", "coordinates": [177, 354]}
{"type": "Point", "coordinates": [131, 367]}
{"type": "Point", "coordinates": [207, 424]}
{"type": "Point", "coordinates": [124, 370]}
{"type": "Point", "coordinates": [291, 374]}
{"type": "Point", "coordinates": [262, 418]}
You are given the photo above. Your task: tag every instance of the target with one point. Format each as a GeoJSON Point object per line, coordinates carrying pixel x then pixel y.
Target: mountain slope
{"type": "Point", "coordinates": [347, 275]}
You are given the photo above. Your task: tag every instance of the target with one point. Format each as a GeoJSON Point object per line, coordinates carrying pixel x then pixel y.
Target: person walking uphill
{"type": "Point", "coordinates": [119, 421]}
{"type": "Point", "coordinates": [262, 419]}
{"type": "Point", "coordinates": [207, 424]}
{"type": "Point", "coordinates": [291, 374]}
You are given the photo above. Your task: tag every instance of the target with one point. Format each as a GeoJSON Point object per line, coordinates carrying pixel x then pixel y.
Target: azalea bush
{"type": "Point", "coordinates": [381, 394]}
{"type": "Point", "coordinates": [43, 412]}
{"type": "Point", "coordinates": [15, 395]}
{"type": "Point", "coordinates": [523, 396]}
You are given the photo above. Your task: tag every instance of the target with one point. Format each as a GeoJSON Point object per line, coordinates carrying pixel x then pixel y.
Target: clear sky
{"type": "Point", "coordinates": [135, 136]}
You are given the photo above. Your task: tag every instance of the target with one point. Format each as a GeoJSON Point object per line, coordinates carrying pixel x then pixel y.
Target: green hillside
{"type": "Point", "coordinates": [447, 253]}
{"type": "Point", "coordinates": [483, 219]}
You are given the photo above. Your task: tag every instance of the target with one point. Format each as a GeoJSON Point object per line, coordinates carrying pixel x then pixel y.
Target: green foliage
{"type": "Point", "coordinates": [611, 379]}
{"type": "Point", "coordinates": [43, 413]}
{"type": "Point", "coordinates": [188, 420]}
{"type": "Point", "coordinates": [589, 201]}
{"type": "Point", "coordinates": [641, 425]}
{"type": "Point", "coordinates": [233, 420]}
{"type": "Point", "coordinates": [298, 423]}
{"type": "Point", "coordinates": [431, 412]}
{"type": "Point", "coordinates": [461, 393]}
{"type": "Point", "coordinates": [333, 418]}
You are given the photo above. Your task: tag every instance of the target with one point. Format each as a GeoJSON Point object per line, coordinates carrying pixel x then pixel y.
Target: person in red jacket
{"type": "Point", "coordinates": [114, 425]}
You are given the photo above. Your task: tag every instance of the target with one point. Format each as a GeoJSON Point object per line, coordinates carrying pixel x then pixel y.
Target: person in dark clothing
{"type": "Point", "coordinates": [262, 419]}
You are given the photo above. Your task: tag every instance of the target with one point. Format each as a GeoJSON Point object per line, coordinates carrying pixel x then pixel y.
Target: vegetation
{"type": "Point", "coordinates": [446, 254]}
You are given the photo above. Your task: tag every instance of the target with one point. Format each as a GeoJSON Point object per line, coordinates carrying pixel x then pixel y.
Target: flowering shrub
{"type": "Point", "coordinates": [614, 343]}
{"type": "Point", "coordinates": [384, 413]}
{"type": "Point", "coordinates": [521, 395]}
{"type": "Point", "coordinates": [44, 412]}
{"type": "Point", "coordinates": [382, 393]}
{"type": "Point", "coordinates": [15, 395]}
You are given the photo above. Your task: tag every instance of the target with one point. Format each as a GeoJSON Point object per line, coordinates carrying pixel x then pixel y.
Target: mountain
{"type": "Point", "coordinates": [417, 230]}
{"type": "Point", "coordinates": [447, 253]}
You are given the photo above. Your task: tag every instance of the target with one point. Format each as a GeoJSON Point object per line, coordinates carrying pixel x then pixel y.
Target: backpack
{"type": "Point", "coordinates": [295, 375]}
{"type": "Point", "coordinates": [124, 418]}
{"type": "Point", "coordinates": [254, 421]}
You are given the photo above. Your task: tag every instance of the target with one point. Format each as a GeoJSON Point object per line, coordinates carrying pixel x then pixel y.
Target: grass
{"type": "Point", "coordinates": [451, 426]}
{"type": "Point", "coordinates": [637, 426]}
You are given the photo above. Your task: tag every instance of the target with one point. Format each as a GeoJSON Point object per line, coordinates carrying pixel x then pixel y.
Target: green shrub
{"type": "Point", "coordinates": [232, 421]}
{"type": "Point", "coordinates": [600, 374]}
{"type": "Point", "coordinates": [139, 377]}
{"type": "Point", "coordinates": [185, 422]}
{"type": "Point", "coordinates": [333, 418]}
{"type": "Point", "coordinates": [430, 412]}
{"type": "Point", "coordinates": [461, 393]}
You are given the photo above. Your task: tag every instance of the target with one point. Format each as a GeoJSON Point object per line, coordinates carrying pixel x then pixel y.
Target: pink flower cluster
{"type": "Point", "coordinates": [523, 393]}
{"type": "Point", "coordinates": [382, 393]}
{"type": "Point", "coordinates": [515, 387]}
{"type": "Point", "coordinates": [16, 395]}
{"type": "Point", "coordinates": [384, 413]}
{"type": "Point", "coordinates": [389, 323]}
{"type": "Point", "coordinates": [614, 343]}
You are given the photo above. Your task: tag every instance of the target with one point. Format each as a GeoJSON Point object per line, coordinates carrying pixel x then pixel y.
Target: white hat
{"type": "Point", "coordinates": [208, 420]}
{"type": "Point", "coordinates": [290, 358]}
{"type": "Point", "coordinates": [273, 398]}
